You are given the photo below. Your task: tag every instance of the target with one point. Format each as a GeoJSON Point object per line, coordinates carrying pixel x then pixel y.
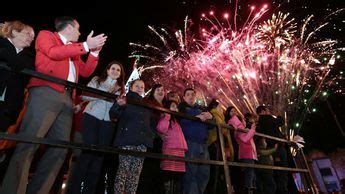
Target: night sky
{"type": "Point", "coordinates": [126, 21]}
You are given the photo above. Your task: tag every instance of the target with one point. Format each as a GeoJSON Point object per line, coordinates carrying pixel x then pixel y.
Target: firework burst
{"type": "Point", "coordinates": [271, 62]}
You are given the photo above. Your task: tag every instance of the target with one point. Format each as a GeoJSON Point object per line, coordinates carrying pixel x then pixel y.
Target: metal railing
{"type": "Point", "coordinates": [106, 149]}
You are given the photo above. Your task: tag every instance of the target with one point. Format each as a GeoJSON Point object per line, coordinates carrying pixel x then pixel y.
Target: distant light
{"type": "Point", "coordinates": [332, 61]}
{"type": "Point", "coordinates": [265, 6]}
{"type": "Point", "coordinates": [226, 15]}
{"type": "Point", "coordinates": [341, 72]}
{"type": "Point", "coordinates": [203, 15]}
{"type": "Point", "coordinates": [252, 7]}
{"type": "Point", "coordinates": [293, 87]}
{"type": "Point", "coordinates": [199, 101]}
{"type": "Point", "coordinates": [338, 56]}
{"type": "Point", "coordinates": [297, 124]}
{"type": "Point", "coordinates": [63, 185]}
{"type": "Point", "coordinates": [211, 12]}
{"type": "Point", "coordinates": [325, 58]}
{"type": "Point", "coordinates": [313, 110]}
{"type": "Point", "coordinates": [324, 93]}
{"type": "Point", "coordinates": [252, 74]}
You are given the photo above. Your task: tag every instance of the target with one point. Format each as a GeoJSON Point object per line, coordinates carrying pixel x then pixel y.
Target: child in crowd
{"type": "Point", "coordinates": [247, 150]}
{"type": "Point", "coordinates": [134, 133]}
{"type": "Point", "coordinates": [174, 144]}
{"type": "Point", "coordinates": [217, 179]}
{"type": "Point", "coordinates": [151, 181]}
{"type": "Point", "coordinates": [265, 180]}
{"type": "Point", "coordinates": [196, 133]}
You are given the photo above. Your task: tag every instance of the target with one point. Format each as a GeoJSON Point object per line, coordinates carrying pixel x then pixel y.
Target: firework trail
{"type": "Point", "coordinates": [269, 62]}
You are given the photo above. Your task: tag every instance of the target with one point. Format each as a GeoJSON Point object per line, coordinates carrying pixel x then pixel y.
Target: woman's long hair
{"type": "Point", "coordinates": [167, 105]}
{"type": "Point", "coordinates": [213, 104]}
{"type": "Point", "coordinates": [227, 113]}
{"type": "Point", "coordinates": [120, 81]}
{"type": "Point", "coordinates": [151, 96]}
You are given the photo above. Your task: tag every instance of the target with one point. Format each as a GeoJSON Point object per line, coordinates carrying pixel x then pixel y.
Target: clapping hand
{"type": "Point", "coordinates": [95, 43]}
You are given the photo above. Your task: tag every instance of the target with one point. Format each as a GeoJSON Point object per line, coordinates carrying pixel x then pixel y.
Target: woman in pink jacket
{"type": "Point", "coordinates": [247, 150]}
{"type": "Point", "coordinates": [174, 144]}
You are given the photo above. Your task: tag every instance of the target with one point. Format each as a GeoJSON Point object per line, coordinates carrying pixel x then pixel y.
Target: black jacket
{"type": "Point", "coordinates": [269, 125]}
{"type": "Point", "coordinates": [14, 83]}
{"type": "Point", "coordinates": [134, 123]}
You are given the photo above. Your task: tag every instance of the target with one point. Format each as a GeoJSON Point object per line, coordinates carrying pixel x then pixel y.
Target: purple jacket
{"type": "Point", "coordinates": [172, 135]}
{"type": "Point", "coordinates": [247, 149]}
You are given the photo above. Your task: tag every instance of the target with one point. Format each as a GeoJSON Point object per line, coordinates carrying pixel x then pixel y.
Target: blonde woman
{"type": "Point", "coordinates": [15, 36]}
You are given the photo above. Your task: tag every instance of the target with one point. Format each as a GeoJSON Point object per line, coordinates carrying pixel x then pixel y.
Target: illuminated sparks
{"type": "Point", "coordinates": [265, 62]}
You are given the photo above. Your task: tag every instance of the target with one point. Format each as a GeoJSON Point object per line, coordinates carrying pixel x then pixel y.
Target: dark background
{"type": "Point", "coordinates": [126, 21]}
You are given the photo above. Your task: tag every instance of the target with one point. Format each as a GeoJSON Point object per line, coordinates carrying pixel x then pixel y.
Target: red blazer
{"type": "Point", "coordinates": [52, 58]}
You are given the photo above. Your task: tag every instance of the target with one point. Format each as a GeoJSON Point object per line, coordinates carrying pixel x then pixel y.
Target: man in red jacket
{"type": "Point", "coordinates": [49, 109]}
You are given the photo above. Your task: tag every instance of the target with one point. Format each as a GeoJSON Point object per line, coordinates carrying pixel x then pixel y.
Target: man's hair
{"type": "Point", "coordinates": [260, 108]}
{"type": "Point", "coordinates": [188, 89]}
{"type": "Point", "coordinates": [62, 22]}
{"type": "Point", "coordinates": [213, 104]}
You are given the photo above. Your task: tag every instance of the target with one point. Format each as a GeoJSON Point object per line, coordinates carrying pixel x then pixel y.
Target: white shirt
{"type": "Point", "coordinates": [72, 76]}
{"type": "Point", "coordinates": [17, 49]}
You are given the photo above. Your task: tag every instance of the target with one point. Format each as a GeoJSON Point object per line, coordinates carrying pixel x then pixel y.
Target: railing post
{"type": "Point", "coordinates": [226, 167]}
{"type": "Point", "coordinates": [299, 163]}
{"type": "Point", "coordinates": [313, 185]}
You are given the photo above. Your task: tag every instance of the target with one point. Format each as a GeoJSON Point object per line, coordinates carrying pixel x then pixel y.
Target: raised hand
{"type": "Point", "coordinates": [115, 89]}
{"type": "Point", "coordinates": [95, 42]}
{"type": "Point", "coordinates": [121, 101]}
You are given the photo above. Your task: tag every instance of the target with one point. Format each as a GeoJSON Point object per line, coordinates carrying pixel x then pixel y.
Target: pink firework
{"type": "Point", "coordinates": [269, 62]}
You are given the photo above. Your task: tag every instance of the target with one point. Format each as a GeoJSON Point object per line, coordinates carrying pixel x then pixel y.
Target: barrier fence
{"type": "Point", "coordinates": [106, 149]}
